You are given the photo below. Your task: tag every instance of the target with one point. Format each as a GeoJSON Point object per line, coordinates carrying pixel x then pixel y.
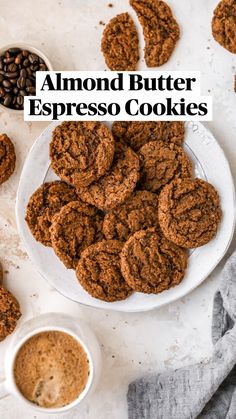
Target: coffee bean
{"type": "Point", "coordinates": [11, 75]}
{"type": "Point", "coordinates": [26, 62]}
{"type": "Point", "coordinates": [23, 72]}
{"type": "Point", "coordinates": [28, 83]}
{"type": "Point", "coordinates": [15, 90]}
{"type": "Point", "coordinates": [1, 78]}
{"type": "Point", "coordinates": [2, 92]}
{"type": "Point", "coordinates": [9, 60]}
{"type": "Point", "coordinates": [7, 100]}
{"type": "Point", "coordinates": [29, 71]}
{"type": "Point", "coordinates": [2, 72]}
{"type": "Point", "coordinates": [30, 90]}
{"type": "Point", "coordinates": [42, 67]}
{"type": "Point", "coordinates": [14, 51]}
{"type": "Point", "coordinates": [23, 93]}
{"type": "Point", "coordinates": [25, 53]}
{"type": "Point", "coordinates": [20, 100]}
{"type": "Point", "coordinates": [33, 58]}
{"type": "Point", "coordinates": [12, 67]}
{"type": "Point", "coordinates": [21, 82]}
{"type": "Point", "coordinates": [17, 60]}
{"type": "Point", "coordinates": [13, 81]}
{"type": "Point", "coordinates": [6, 83]}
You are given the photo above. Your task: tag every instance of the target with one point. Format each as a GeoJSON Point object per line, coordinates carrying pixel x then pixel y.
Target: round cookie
{"type": "Point", "coordinates": [45, 202]}
{"type": "Point", "coordinates": [224, 24]}
{"type": "Point", "coordinates": [161, 163]}
{"type": "Point", "coordinates": [74, 228]}
{"type": "Point", "coordinates": [152, 264]}
{"type": "Point", "coordinates": [137, 134]}
{"type": "Point", "coordinates": [81, 152]}
{"type": "Point", "coordinates": [115, 187]}
{"type": "Point", "coordinates": [9, 313]}
{"type": "Point", "coordinates": [137, 213]}
{"type": "Point", "coordinates": [120, 45]}
{"type": "Point", "coordinates": [7, 158]}
{"type": "Point", "coordinates": [160, 29]}
{"type": "Point", "coordinates": [189, 212]}
{"type": "Point", "coordinates": [98, 271]}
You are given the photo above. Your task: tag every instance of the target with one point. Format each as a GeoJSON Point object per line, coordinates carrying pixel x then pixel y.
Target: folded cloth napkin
{"type": "Point", "coordinates": [206, 390]}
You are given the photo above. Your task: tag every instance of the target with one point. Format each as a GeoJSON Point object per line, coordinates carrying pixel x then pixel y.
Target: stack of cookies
{"type": "Point", "coordinates": [127, 207]}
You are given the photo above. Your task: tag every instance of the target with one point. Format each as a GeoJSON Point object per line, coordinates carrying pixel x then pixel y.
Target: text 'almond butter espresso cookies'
{"type": "Point", "coordinates": [189, 212]}
{"type": "Point", "coordinates": [81, 152]}
{"type": "Point", "coordinates": [74, 228]}
{"type": "Point", "coordinates": [224, 24]}
{"type": "Point", "coordinates": [152, 264]}
{"type": "Point", "coordinates": [160, 29]}
{"type": "Point", "coordinates": [45, 202]}
{"type": "Point", "coordinates": [137, 134]}
{"type": "Point", "coordinates": [120, 45]}
{"type": "Point", "coordinates": [98, 271]}
{"type": "Point", "coordinates": [137, 213]}
{"type": "Point", "coordinates": [117, 185]}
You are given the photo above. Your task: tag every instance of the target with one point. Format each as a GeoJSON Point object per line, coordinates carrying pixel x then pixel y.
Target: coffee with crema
{"type": "Point", "coordinates": [51, 369]}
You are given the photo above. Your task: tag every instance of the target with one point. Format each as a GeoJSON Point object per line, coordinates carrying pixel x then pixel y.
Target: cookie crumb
{"type": "Point", "coordinates": [101, 23]}
{"type": "Point", "coordinates": [110, 5]}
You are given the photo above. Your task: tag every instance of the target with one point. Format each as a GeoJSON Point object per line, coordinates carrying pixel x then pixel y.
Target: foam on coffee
{"type": "Point", "coordinates": [51, 369]}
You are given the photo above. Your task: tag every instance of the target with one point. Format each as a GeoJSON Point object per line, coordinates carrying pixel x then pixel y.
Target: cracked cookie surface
{"type": "Point", "coordinates": [189, 212]}
{"type": "Point", "coordinates": [224, 24]}
{"type": "Point", "coordinates": [7, 158]}
{"type": "Point", "coordinates": [137, 134]}
{"type": "Point", "coordinates": [137, 213]}
{"type": "Point", "coordinates": [81, 152]}
{"type": "Point", "coordinates": [115, 187]}
{"type": "Point", "coordinates": [152, 264]}
{"type": "Point", "coordinates": [120, 45]}
{"type": "Point", "coordinates": [9, 313]}
{"type": "Point", "coordinates": [160, 29]}
{"type": "Point", "coordinates": [74, 228]}
{"type": "Point", "coordinates": [99, 273]}
{"type": "Point", "coordinates": [161, 163]}
{"type": "Point", "coordinates": [45, 202]}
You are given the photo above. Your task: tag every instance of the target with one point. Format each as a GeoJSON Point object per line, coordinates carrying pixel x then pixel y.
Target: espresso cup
{"type": "Point", "coordinates": [60, 322]}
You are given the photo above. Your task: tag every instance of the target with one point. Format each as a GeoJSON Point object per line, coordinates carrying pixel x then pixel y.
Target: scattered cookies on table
{"type": "Point", "coordinates": [99, 273]}
{"type": "Point", "coordinates": [224, 24]}
{"type": "Point", "coordinates": [81, 152]}
{"type": "Point", "coordinates": [160, 29]}
{"type": "Point", "coordinates": [7, 158]}
{"type": "Point", "coordinates": [120, 44]}
{"type": "Point", "coordinates": [161, 163]}
{"type": "Point", "coordinates": [189, 212]}
{"type": "Point", "coordinates": [150, 263]}
{"type": "Point", "coordinates": [137, 134]}
{"type": "Point", "coordinates": [117, 185]}
{"type": "Point", "coordinates": [9, 313]}
{"type": "Point", "coordinates": [137, 213]}
{"type": "Point", "coordinates": [45, 202]}
{"type": "Point", "coordinates": [73, 229]}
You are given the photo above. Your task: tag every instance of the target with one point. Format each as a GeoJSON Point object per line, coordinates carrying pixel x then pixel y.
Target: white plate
{"type": "Point", "coordinates": [210, 163]}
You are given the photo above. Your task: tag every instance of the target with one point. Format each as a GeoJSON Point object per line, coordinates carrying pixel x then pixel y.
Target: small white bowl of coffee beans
{"type": "Point", "coordinates": [18, 66]}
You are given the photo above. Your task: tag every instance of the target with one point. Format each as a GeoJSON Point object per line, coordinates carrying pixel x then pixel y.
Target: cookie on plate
{"type": "Point", "coordinates": [120, 45]}
{"type": "Point", "coordinates": [224, 24]}
{"type": "Point", "coordinates": [161, 163]}
{"type": "Point", "coordinates": [98, 271]}
{"type": "Point", "coordinates": [160, 29]}
{"type": "Point", "coordinates": [189, 212]}
{"type": "Point", "coordinates": [150, 263]}
{"type": "Point", "coordinates": [137, 134]}
{"type": "Point", "coordinates": [9, 313]}
{"type": "Point", "coordinates": [74, 228]}
{"type": "Point", "coordinates": [81, 152]}
{"type": "Point", "coordinates": [7, 158]}
{"type": "Point", "coordinates": [45, 202]}
{"type": "Point", "coordinates": [137, 213]}
{"type": "Point", "coordinates": [117, 185]}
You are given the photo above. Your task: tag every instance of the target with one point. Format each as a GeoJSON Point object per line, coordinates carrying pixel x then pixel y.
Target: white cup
{"type": "Point", "coordinates": [53, 322]}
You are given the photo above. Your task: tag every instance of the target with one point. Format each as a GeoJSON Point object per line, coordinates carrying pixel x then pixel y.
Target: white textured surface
{"type": "Point", "coordinates": [68, 31]}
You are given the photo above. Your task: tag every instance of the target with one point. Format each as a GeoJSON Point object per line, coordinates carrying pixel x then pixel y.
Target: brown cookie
{"type": "Point", "coordinates": [120, 45]}
{"type": "Point", "coordinates": [160, 29]}
{"type": "Point", "coordinates": [9, 313]}
{"type": "Point", "coordinates": [74, 228]}
{"type": "Point", "coordinates": [137, 134]}
{"type": "Point", "coordinates": [81, 152]}
{"type": "Point", "coordinates": [115, 187]}
{"type": "Point", "coordinates": [224, 24]}
{"type": "Point", "coordinates": [152, 264]}
{"type": "Point", "coordinates": [161, 163]}
{"type": "Point", "coordinates": [189, 212]}
{"type": "Point", "coordinates": [137, 213]}
{"type": "Point", "coordinates": [45, 202]}
{"type": "Point", "coordinates": [98, 271]}
{"type": "Point", "coordinates": [7, 158]}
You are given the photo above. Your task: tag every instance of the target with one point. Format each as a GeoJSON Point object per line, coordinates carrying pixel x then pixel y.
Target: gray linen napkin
{"type": "Point", "coordinates": [206, 390]}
